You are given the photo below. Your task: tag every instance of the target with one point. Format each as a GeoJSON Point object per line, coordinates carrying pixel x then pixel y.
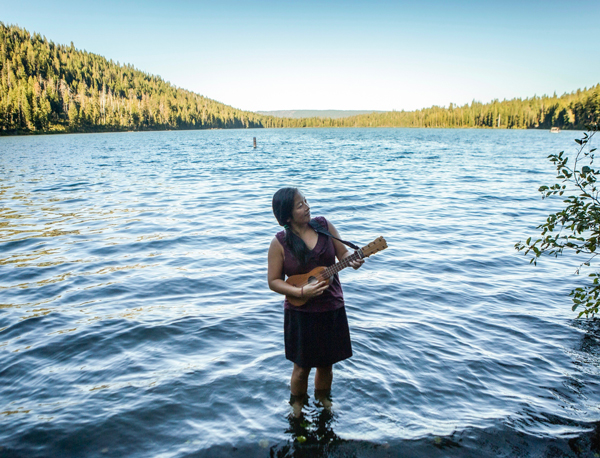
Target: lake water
{"type": "Point", "coordinates": [135, 317]}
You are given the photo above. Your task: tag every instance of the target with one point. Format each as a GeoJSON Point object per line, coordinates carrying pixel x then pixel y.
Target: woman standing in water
{"type": "Point", "coordinates": [316, 333]}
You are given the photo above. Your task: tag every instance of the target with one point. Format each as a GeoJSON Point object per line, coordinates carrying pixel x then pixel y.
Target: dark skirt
{"type": "Point", "coordinates": [317, 339]}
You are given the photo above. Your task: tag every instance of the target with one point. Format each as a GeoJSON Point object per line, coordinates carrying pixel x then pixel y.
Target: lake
{"type": "Point", "coordinates": [136, 320]}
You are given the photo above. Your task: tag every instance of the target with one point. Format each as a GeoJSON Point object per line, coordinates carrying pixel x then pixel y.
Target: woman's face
{"type": "Point", "coordinates": [301, 211]}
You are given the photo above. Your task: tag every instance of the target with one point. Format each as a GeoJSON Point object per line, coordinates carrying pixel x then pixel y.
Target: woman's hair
{"type": "Point", "coordinates": [283, 206]}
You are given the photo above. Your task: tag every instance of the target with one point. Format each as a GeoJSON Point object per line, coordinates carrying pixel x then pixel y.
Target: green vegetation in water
{"type": "Point", "coordinates": [577, 226]}
{"type": "Point", "coordinates": [46, 87]}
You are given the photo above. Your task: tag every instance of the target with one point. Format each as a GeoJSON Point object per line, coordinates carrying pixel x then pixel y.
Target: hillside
{"type": "Point", "coordinates": [569, 111]}
{"type": "Point", "coordinates": [45, 87]}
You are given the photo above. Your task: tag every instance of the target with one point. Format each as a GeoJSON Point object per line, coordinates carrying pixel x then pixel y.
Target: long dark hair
{"type": "Point", "coordinates": [283, 206]}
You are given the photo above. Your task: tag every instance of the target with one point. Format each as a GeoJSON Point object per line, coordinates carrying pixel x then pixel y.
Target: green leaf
{"type": "Point", "coordinates": [577, 225]}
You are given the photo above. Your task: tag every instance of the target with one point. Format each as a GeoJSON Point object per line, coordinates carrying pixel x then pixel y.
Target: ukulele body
{"type": "Point", "coordinates": [300, 280]}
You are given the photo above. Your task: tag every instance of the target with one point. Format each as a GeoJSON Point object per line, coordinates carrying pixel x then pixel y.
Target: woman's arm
{"type": "Point", "coordinates": [341, 251]}
{"type": "Point", "coordinates": [275, 276]}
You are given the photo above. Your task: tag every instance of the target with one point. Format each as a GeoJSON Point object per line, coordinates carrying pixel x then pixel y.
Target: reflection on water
{"type": "Point", "coordinates": [311, 434]}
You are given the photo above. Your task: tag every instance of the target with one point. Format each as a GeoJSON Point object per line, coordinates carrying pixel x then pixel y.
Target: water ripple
{"type": "Point", "coordinates": [135, 318]}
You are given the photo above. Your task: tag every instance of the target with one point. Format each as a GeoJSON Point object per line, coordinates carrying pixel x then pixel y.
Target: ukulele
{"type": "Point", "coordinates": [322, 273]}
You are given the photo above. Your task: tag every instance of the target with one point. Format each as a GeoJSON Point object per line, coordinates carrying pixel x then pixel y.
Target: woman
{"type": "Point", "coordinates": [316, 333]}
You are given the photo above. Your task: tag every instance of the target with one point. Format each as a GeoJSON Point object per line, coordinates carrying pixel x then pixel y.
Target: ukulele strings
{"type": "Point", "coordinates": [332, 270]}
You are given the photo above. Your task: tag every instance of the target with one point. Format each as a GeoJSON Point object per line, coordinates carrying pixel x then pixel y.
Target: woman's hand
{"type": "Point", "coordinates": [356, 264]}
{"type": "Point", "coordinates": [313, 289]}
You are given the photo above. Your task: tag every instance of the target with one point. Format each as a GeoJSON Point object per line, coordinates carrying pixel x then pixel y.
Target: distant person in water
{"type": "Point", "coordinates": [316, 333]}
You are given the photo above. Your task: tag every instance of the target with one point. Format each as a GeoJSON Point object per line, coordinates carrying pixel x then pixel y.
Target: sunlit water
{"type": "Point", "coordinates": [135, 317]}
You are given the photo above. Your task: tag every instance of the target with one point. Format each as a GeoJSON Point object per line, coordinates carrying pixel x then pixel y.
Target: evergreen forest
{"type": "Point", "coordinates": [47, 87]}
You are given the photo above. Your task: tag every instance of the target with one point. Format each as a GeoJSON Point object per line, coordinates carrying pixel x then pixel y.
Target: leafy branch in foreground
{"type": "Point", "coordinates": [577, 226]}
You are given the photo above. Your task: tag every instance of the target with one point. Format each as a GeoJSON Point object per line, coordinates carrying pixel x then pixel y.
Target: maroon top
{"type": "Point", "coordinates": [323, 254]}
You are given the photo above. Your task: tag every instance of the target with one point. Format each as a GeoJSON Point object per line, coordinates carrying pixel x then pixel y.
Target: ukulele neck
{"type": "Point", "coordinates": [334, 269]}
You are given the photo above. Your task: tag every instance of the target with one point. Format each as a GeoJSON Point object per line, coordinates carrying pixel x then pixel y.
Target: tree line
{"type": "Point", "coordinates": [46, 87]}
{"type": "Point", "coordinates": [570, 111]}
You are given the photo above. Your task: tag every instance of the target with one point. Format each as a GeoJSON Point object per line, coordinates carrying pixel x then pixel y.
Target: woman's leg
{"type": "Point", "coordinates": [323, 380]}
{"type": "Point", "coordinates": [299, 382]}
{"type": "Point", "coordinates": [299, 386]}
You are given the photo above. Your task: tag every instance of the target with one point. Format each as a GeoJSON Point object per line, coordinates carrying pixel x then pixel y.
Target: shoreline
{"type": "Point", "coordinates": [103, 131]}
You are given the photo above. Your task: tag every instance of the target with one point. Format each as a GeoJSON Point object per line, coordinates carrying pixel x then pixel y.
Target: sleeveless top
{"type": "Point", "coordinates": [323, 254]}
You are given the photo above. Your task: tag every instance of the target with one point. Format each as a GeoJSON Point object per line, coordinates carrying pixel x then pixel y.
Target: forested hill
{"type": "Point", "coordinates": [570, 111]}
{"type": "Point", "coordinates": [45, 87]}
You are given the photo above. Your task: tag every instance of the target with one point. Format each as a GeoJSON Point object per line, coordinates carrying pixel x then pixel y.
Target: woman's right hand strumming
{"type": "Point", "coordinates": [313, 289]}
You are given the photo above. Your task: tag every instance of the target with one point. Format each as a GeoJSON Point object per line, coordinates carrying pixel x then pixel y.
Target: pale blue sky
{"type": "Point", "coordinates": [382, 55]}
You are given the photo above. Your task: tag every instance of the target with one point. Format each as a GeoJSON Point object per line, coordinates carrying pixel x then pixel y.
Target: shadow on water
{"type": "Point", "coordinates": [590, 343]}
{"type": "Point", "coordinates": [503, 441]}
{"type": "Point", "coordinates": [313, 435]}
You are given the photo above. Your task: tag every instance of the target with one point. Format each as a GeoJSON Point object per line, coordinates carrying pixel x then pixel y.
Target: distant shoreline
{"type": "Point", "coordinates": [325, 114]}
{"type": "Point", "coordinates": [116, 131]}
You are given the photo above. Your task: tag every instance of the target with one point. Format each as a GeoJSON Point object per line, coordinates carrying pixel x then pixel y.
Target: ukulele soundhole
{"type": "Point", "coordinates": [312, 279]}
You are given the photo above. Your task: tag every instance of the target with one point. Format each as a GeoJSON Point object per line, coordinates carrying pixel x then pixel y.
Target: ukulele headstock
{"type": "Point", "coordinates": [376, 245]}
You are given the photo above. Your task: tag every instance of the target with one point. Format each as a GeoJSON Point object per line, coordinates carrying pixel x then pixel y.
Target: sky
{"type": "Point", "coordinates": [344, 55]}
